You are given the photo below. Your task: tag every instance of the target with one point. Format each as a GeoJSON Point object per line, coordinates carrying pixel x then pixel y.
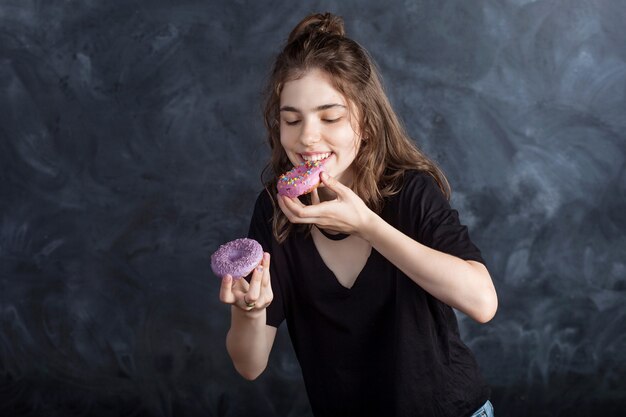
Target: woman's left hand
{"type": "Point", "coordinates": [345, 214]}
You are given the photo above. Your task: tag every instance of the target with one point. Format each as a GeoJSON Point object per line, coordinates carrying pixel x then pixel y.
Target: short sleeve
{"type": "Point", "coordinates": [261, 231]}
{"type": "Point", "coordinates": [436, 223]}
{"type": "Point", "coordinates": [261, 223]}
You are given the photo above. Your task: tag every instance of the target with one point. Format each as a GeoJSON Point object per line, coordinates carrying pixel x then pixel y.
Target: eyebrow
{"type": "Point", "coordinates": [318, 108]}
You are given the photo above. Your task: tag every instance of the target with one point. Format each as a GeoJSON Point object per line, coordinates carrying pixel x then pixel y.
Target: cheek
{"type": "Point", "coordinates": [288, 144]}
{"type": "Point", "coordinates": [350, 141]}
{"type": "Point", "coordinates": [284, 138]}
{"type": "Point", "coordinates": [357, 147]}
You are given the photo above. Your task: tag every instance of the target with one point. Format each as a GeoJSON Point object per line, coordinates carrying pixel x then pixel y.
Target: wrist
{"type": "Point", "coordinates": [371, 223]}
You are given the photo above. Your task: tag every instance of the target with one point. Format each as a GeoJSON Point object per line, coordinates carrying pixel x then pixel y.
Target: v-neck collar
{"type": "Point", "coordinates": [331, 275]}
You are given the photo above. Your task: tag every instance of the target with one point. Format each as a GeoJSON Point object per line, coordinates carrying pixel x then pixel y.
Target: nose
{"type": "Point", "coordinates": [310, 133]}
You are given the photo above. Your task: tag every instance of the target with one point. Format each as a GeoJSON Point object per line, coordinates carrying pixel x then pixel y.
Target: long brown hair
{"type": "Point", "coordinates": [386, 151]}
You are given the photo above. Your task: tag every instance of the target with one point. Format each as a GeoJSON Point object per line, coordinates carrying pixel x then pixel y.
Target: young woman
{"type": "Point", "coordinates": [366, 269]}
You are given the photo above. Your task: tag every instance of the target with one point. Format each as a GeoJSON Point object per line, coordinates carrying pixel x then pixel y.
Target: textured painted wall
{"type": "Point", "coordinates": [131, 145]}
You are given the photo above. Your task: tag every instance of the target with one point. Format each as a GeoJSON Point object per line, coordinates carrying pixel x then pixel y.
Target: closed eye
{"type": "Point", "coordinates": [331, 120]}
{"type": "Point", "coordinates": [293, 123]}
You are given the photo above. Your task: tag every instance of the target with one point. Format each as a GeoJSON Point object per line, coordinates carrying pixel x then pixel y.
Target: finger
{"type": "Point", "coordinates": [293, 206]}
{"type": "Point", "coordinates": [297, 212]}
{"type": "Point", "coordinates": [250, 300]}
{"type": "Point", "coordinates": [269, 296]}
{"type": "Point", "coordinates": [255, 284]}
{"type": "Point", "coordinates": [315, 197]}
{"type": "Point", "coordinates": [294, 210]}
{"type": "Point", "coordinates": [332, 183]}
{"type": "Point", "coordinates": [248, 304]}
{"type": "Point", "coordinates": [266, 295]}
{"type": "Point", "coordinates": [266, 282]}
{"type": "Point", "coordinates": [242, 300]}
{"type": "Point", "coordinates": [226, 291]}
{"type": "Point", "coordinates": [281, 204]}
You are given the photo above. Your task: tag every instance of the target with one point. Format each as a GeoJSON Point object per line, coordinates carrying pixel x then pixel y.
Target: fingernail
{"type": "Point", "coordinates": [259, 268]}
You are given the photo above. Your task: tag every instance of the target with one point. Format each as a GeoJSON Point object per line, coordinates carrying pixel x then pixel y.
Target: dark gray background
{"type": "Point", "coordinates": [131, 145]}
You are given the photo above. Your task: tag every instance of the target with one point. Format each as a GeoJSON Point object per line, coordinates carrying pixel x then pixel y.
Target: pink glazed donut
{"type": "Point", "coordinates": [237, 258]}
{"type": "Point", "coordinates": [301, 179]}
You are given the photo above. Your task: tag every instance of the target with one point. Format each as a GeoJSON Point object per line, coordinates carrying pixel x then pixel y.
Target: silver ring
{"type": "Point", "coordinates": [249, 305]}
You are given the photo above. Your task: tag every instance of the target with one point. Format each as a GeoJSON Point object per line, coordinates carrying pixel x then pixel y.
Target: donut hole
{"type": "Point", "coordinates": [236, 255]}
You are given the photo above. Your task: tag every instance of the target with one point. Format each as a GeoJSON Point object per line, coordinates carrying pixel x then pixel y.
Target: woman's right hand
{"type": "Point", "coordinates": [248, 296]}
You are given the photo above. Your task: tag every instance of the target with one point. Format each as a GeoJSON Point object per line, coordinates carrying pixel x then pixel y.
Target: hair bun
{"type": "Point", "coordinates": [319, 23]}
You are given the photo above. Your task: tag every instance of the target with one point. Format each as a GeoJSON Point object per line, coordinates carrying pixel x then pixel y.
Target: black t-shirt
{"type": "Point", "coordinates": [385, 347]}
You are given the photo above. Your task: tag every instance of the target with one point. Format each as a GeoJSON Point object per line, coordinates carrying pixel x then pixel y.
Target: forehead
{"type": "Point", "coordinates": [313, 89]}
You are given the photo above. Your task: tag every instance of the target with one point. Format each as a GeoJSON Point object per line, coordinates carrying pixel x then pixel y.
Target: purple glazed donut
{"type": "Point", "coordinates": [236, 258]}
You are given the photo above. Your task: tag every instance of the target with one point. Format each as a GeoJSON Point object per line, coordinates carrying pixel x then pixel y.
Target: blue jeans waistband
{"type": "Point", "coordinates": [485, 411]}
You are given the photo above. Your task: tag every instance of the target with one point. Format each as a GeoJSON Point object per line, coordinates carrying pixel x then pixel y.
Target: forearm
{"type": "Point", "coordinates": [248, 342]}
{"type": "Point", "coordinates": [464, 285]}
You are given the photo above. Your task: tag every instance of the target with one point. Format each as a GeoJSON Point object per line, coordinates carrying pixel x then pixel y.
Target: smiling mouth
{"type": "Point", "coordinates": [316, 157]}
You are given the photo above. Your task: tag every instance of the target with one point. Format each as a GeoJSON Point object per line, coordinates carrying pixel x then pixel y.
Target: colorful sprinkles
{"type": "Point", "coordinates": [300, 180]}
